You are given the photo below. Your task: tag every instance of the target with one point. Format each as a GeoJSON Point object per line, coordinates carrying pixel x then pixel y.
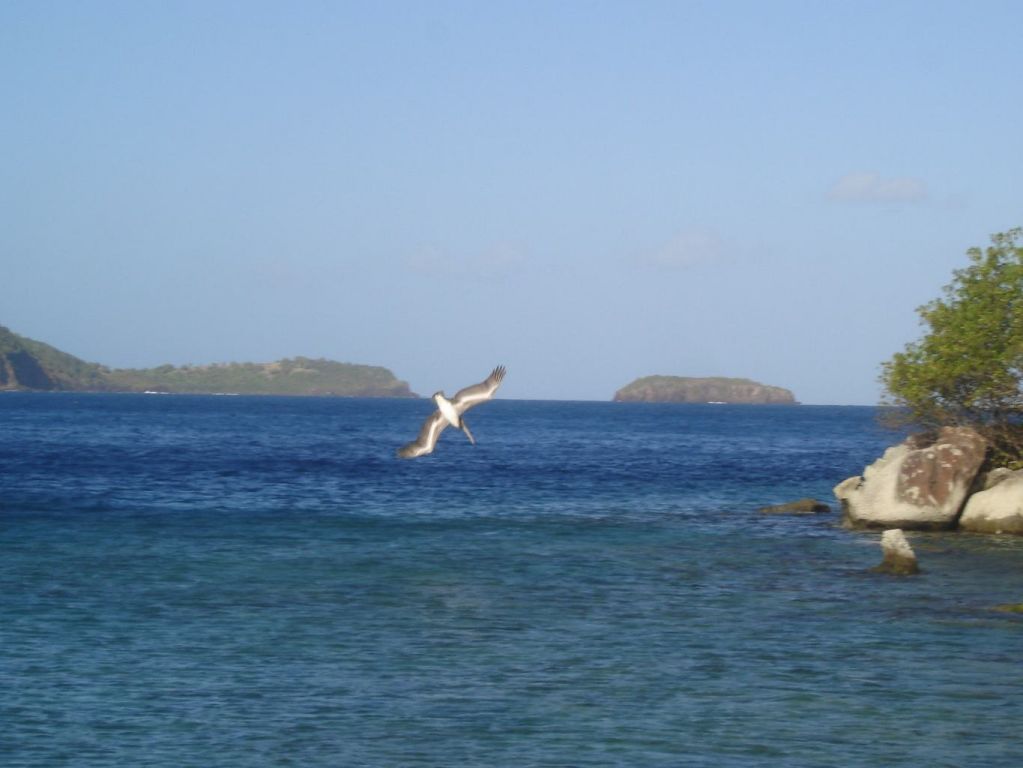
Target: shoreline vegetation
{"type": "Point", "coordinates": [960, 386]}
{"type": "Point", "coordinates": [27, 364]}
{"type": "Point", "coordinates": [34, 366]}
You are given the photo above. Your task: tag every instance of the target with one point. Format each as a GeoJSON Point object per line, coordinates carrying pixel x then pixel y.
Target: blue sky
{"type": "Point", "coordinates": [586, 192]}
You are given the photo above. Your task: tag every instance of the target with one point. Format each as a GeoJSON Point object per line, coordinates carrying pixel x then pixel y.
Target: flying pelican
{"type": "Point", "coordinates": [449, 412]}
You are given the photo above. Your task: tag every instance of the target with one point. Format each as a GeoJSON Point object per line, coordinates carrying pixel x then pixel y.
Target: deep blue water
{"type": "Point", "coordinates": [233, 581]}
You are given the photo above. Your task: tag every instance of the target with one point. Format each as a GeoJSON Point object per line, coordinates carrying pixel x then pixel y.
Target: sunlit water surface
{"type": "Point", "coordinates": [234, 581]}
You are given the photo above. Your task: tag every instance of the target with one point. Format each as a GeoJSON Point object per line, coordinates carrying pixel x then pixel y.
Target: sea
{"type": "Point", "coordinates": [259, 581]}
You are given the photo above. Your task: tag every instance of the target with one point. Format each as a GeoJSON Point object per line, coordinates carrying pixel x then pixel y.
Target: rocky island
{"type": "Point", "coordinates": [684, 389]}
{"type": "Point", "coordinates": [26, 364]}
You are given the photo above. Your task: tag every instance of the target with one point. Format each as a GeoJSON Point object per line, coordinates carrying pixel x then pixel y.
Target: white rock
{"type": "Point", "coordinates": [899, 557]}
{"type": "Point", "coordinates": [915, 486]}
{"type": "Point", "coordinates": [894, 541]}
{"type": "Point", "coordinates": [999, 509]}
{"type": "Point", "coordinates": [995, 476]}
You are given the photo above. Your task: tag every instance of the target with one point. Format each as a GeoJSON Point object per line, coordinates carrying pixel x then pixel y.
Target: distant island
{"type": "Point", "coordinates": [683, 389]}
{"type": "Point", "coordinates": [26, 364]}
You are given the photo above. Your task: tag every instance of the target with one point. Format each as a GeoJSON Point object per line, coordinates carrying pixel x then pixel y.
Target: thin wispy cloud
{"type": "Point", "coordinates": [871, 187]}
{"type": "Point", "coordinates": [687, 249]}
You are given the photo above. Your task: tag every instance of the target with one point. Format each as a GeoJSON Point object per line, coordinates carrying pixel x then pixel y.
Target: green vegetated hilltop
{"type": "Point", "coordinates": [29, 364]}
{"type": "Point", "coordinates": [26, 364]}
{"type": "Point", "coordinates": [717, 389]}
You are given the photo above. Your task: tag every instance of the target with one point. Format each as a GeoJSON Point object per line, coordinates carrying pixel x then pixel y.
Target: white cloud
{"type": "Point", "coordinates": [687, 249]}
{"type": "Point", "coordinates": [870, 187]}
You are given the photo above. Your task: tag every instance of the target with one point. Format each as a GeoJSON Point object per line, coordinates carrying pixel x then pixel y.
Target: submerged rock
{"type": "Point", "coordinates": [998, 508]}
{"type": "Point", "coordinates": [1010, 607]}
{"type": "Point", "coordinates": [919, 484]}
{"type": "Point", "coordinates": [899, 558]}
{"type": "Point", "coordinates": [800, 507]}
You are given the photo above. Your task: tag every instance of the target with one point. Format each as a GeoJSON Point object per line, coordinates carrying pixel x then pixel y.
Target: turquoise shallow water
{"type": "Point", "coordinates": [258, 582]}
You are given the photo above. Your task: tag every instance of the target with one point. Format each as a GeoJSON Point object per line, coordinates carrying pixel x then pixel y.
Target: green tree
{"type": "Point", "coordinates": [968, 367]}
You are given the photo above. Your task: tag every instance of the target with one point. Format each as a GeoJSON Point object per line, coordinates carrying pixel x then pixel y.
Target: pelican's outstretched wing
{"type": "Point", "coordinates": [465, 399]}
{"type": "Point", "coordinates": [427, 439]}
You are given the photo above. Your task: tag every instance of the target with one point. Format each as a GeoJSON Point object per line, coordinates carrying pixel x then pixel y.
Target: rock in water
{"type": "Point", "coordinates": [899, 558]}
{"type": "Point", "coordinates": [1010, 607]}
{"type": "Point", "coordinates": [800, 507]}
{"type": "Point", "coordinates": [919, 484]}
{"type": "Point", "coordinates": [998, 508]}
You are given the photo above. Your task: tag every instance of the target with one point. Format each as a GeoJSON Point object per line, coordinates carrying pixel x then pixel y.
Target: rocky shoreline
{"type": "Point", "coordinates": [935, 482]}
